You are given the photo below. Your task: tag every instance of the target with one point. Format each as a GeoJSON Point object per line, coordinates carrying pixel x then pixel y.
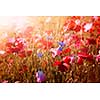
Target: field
{"type": "Point", "coordinates": [50, 49]}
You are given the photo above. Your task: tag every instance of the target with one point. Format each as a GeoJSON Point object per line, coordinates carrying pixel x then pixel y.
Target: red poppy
{"type": "Point", "coordinates": [67, 59]}
{"type": "Point", "coordinates": [29, 52]}
{"type": "Point", "coordinates": [91, 41]}
{"type": "Point", "coordinates": [46, 44]}
{"type": "Point", "coordinates": [8, 44]}
{"type": "Point", "coordinates": [66, 50]}
{"type": "Point", "coordinates": [90, 58]}
{"type": "Point", "coordinates": [56, 63]}
{"type": "Point", "coordinates": [71, 25]}
{"type": "Point", "coordinates": [85, 50]}
{"type": "Point", "coordinates": [83, 29]}
{"type": "Point", "coordinates": [63, 67]}
{"type": "Point", "coordinates": [83, 54]}
{"type": "Point", "coordinates": [77, 28]}
{"type": "Point", "coordinates": [86, 56]}
{"type": "Point", "coordinates": [76, 17]}
{"type": "Point", "coordinates": [80, 60]}
{"type": "Point", "coordinates": [22, 54]}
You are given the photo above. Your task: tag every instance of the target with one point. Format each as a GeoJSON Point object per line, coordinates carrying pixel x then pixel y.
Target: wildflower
{"type": "Point", "coordinates": [60, 48]}
{"type": "Point", "coordinates": [84, 49]}
{"type": "Point", "coordinates": [83, 54]}
{"type": "Point", "coordinates": [90, 57]}
{"type": "Point", "coordinates": [39, 55]}
{"type": "Point", "coordinates": [29, 52]}
{"type": "Point", "coordinates": [67, 59]}
{"type": "Point", "coordinates": [61, 44]}
{"type": "Point", "coordinates": [56, 63]}
{"type": "Point", "coordinates": [63, 67]}
{"type": "Point", "coordinates": [22, 54]}
{"type": "Point", "coordinates": [66, 50]}
{"type": "Point", "coordinates": [91, 41]}
{"type": "Point", "coordinates": [80, 60]}
{"type": "Point", "coordinates": [71, 25]}
{"type": "Point", "coordinates": [40, 76]}
{"type": "Point", "coordinates": [77, 28]}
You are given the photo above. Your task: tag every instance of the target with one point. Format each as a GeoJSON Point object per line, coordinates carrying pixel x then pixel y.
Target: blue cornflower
{"type": "Point", "coordinates": [61, 43]}
{"type": "Point", "coordinates": [40, 76]}
{"type": "Point", "coordinates": [40, 55]}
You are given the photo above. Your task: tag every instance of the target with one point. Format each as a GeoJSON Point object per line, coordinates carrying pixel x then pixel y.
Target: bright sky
{"type": "Point", "coordinates": [11, 22]}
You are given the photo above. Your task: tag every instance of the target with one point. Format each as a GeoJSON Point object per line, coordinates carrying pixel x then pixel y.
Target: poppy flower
{"type": "Point", "coordinates": [91, 41]}
{"type": "Point", "coordinates": [90, 57]}
{"type": "Point", "coordinates": [86, 56]}
{"type": "Point", "coordinates": [77, 28]}
{"type": "Point", "coordinates": [71, 25]}
{"type": "Point", "coordinates": [66, 50]}
{"type": "Point", "coordinates": [22, 54]}
{"type": "Point", "coordinates": [63, 67]}
{"type": "Point", "coordinates": [83, 54]}
{"type": "Point", "coordinates": [80, 60]}
{"type": "Point", "coordinates": [56, 63]}
{"type": "Point", "coordinates": [67, 59]}
{"type": "Point", "coordinates": [85, 50]}
{"type": "Point", "coordinates": [29, 52]}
